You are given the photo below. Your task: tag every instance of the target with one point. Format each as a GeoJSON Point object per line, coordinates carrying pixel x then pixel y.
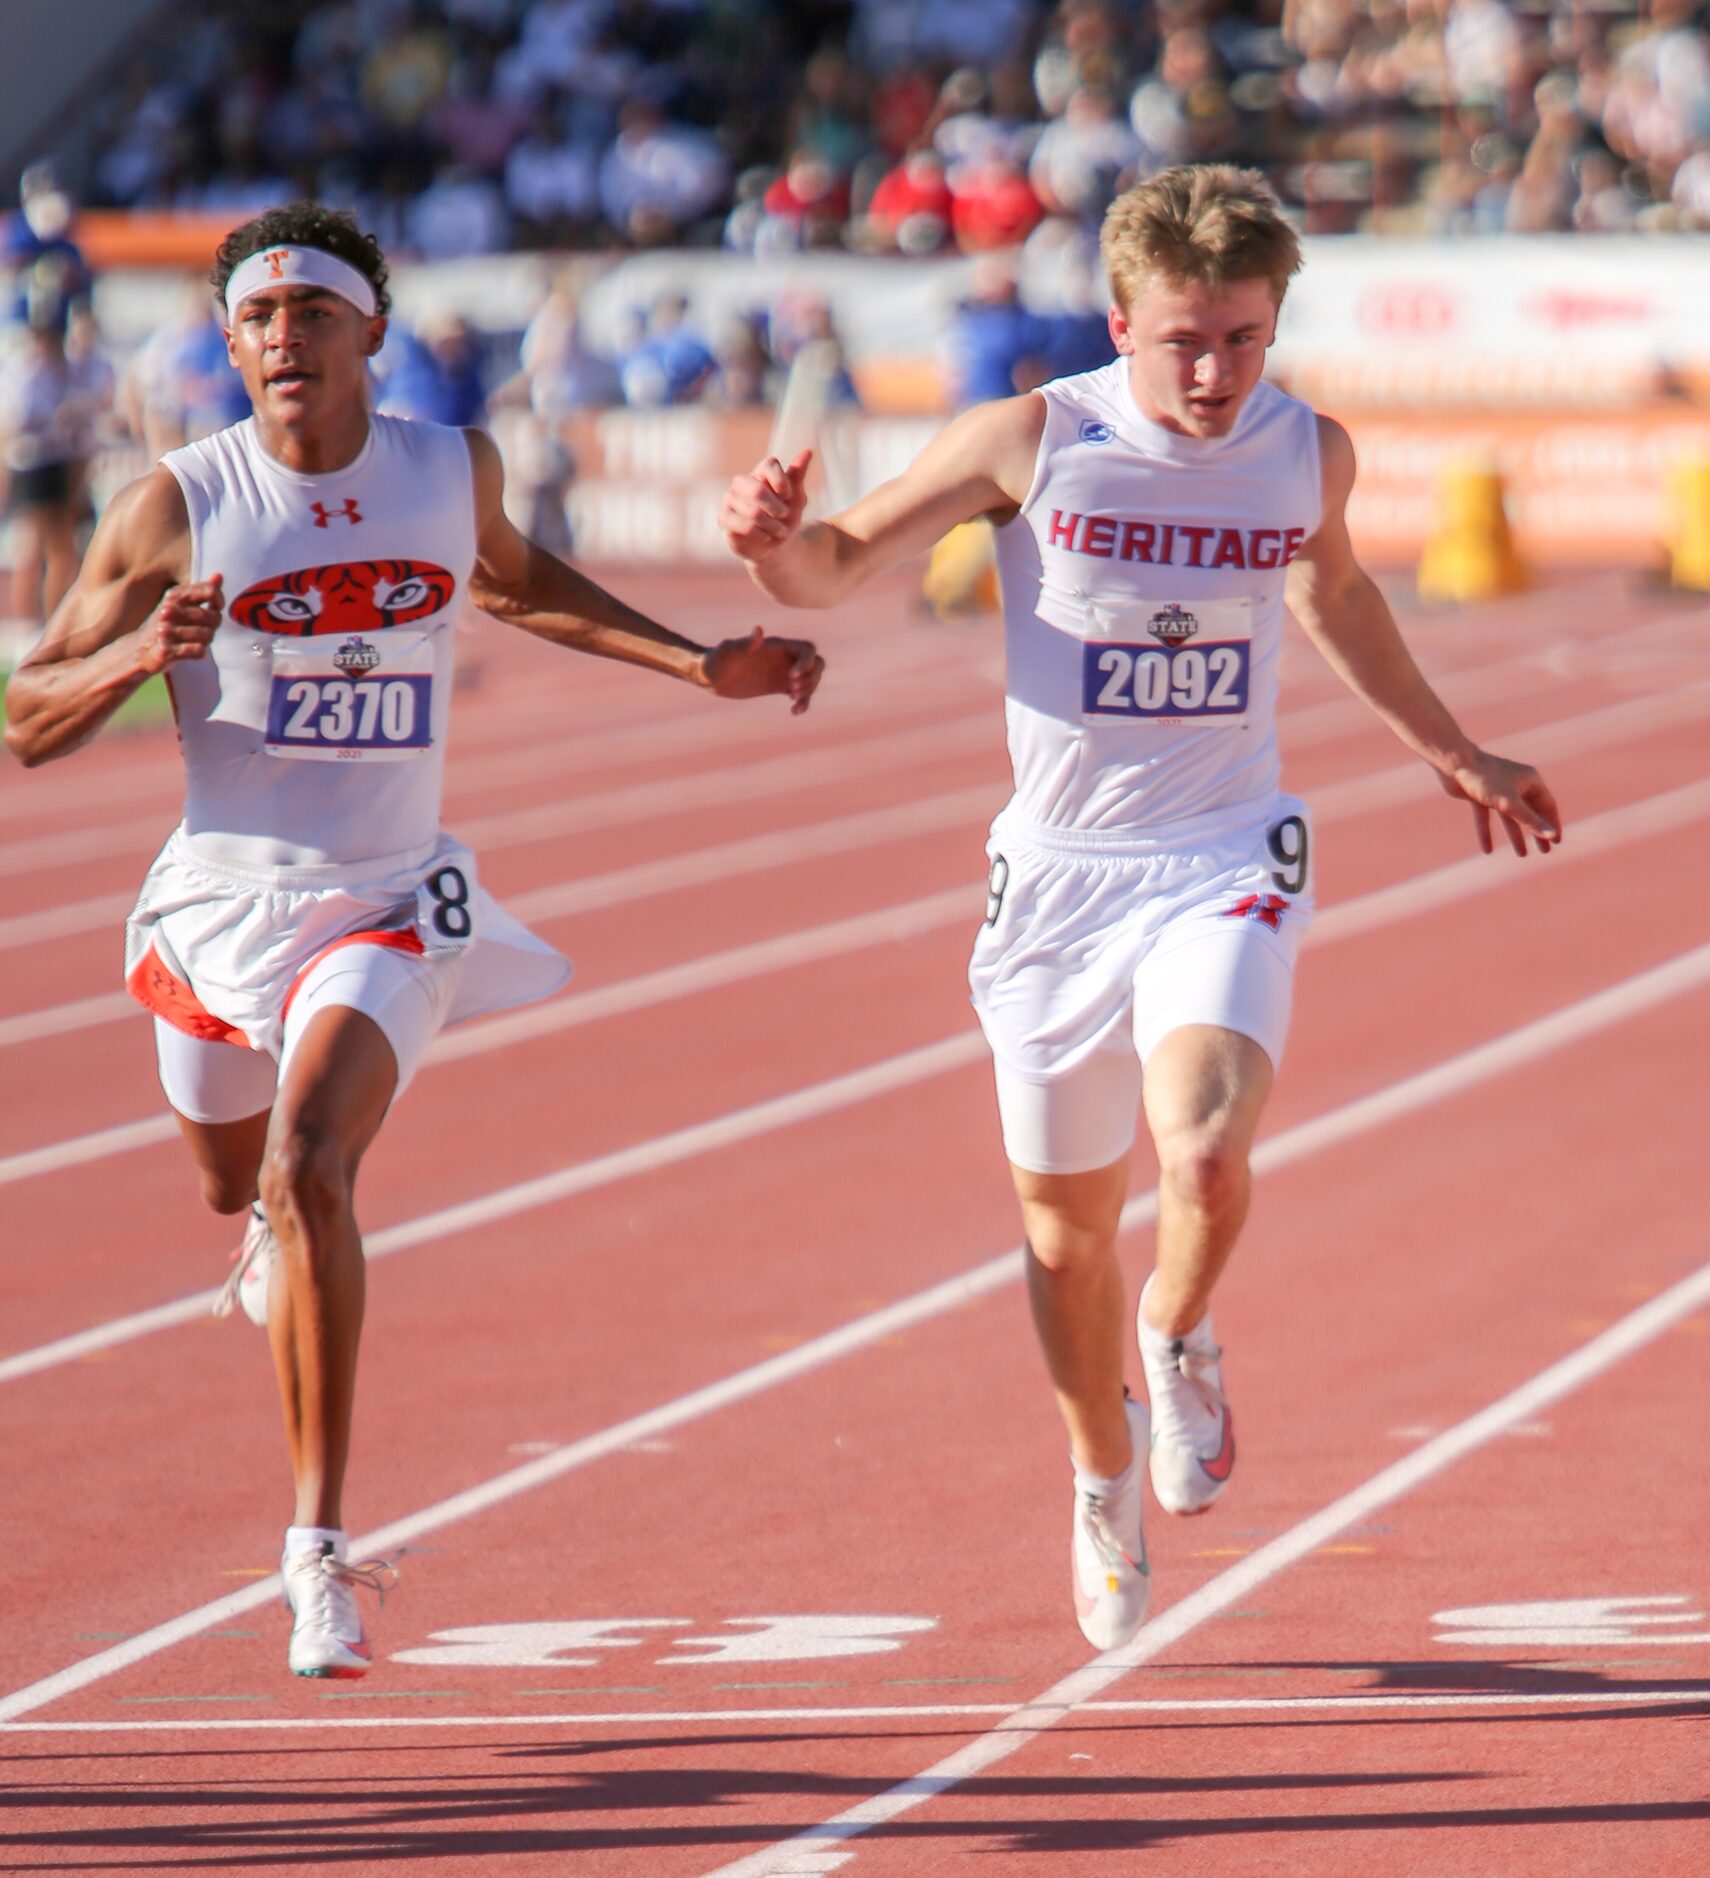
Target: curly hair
{"type": "Point", "coordinates": [305, 225]}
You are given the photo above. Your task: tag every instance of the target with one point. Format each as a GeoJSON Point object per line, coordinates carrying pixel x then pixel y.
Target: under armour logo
{"type": "Point", "coordinates": [1267, 908]}
{"type": "Point", "coordinates": [347, 511]}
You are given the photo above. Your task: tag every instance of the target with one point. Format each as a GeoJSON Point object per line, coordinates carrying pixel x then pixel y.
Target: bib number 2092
{"type": "Point", "coordinates": [1288, 846]}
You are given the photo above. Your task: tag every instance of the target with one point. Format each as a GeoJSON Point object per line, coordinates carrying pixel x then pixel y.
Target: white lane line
{"type": "Point", "coordinates": [618, 808]}
{"type": "Point", "coordinates": [1406, 899]}
{"type": "Point", "coordinates": [1357, 795]}
{"type": "Point", "coordinates": [80, 1150]}
{"type": "Point", "coordinates": [1645, 991]}
{"type": "Point", "coordinates": [1076, 1691]}
{"type": "Point", "coordinates": [1280, 1706]}
{"type": "Point", "coordinates": [822, 1098]}
{"type": "Point", "coordinates": [675, 873]}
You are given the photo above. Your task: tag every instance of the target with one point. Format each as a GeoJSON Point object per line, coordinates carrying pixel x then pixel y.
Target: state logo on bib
{"type": "Point", "coordinates": [352, 700]}
{"type": "Point", "coordinates": [1190, 669]}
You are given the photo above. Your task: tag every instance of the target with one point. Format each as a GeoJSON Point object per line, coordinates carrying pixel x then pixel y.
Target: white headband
{"type": "Point", "coordinates": [299, 267]}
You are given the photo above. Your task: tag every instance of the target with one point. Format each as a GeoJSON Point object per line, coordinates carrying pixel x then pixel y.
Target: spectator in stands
{"type": "Point", "coordinates": [181, 384]}
{"type": "Point", "coordinates": [992, 346]}
{"type": "Point", "coordinates": [659, 179]}
{"type": "Point", "coordinates": [551, 180]}
{"type": "Point", "coordinates": [1082, 160]}
{"type": "Point", "coordinates": [910, 210]}
{"type": "Point", "coordinates": [36, 244]}
{"type": "Point", "coordinates": [802, 318]}
{"type": "Point", "coordinates": [49, 407]}
{"type": "Point", "coordinates": [558, 372]}
{"type": "Point", "coordinates": [806, 207]}
{"type": "Point", "coordinates": [438, 377]}
{"type": "Point", "coordinates": [669, 363]}
{"type": "Point", "coordinates": [992, 204]}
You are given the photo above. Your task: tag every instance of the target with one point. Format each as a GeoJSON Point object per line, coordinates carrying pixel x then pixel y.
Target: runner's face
{"type": "Point", "coordinates": [303, 353]}
{"type": "Point", "coordinates": [1194, 353]}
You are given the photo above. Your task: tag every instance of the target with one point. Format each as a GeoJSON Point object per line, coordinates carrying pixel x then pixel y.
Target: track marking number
{"type": "Point", "coordinates": [564, 1644]}
{"type": "Point", "coordinates": [1570, 1621]}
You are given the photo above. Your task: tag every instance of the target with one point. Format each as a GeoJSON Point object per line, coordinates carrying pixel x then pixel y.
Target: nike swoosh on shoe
{"type": "Point", "coordinates": [1222, 1463]}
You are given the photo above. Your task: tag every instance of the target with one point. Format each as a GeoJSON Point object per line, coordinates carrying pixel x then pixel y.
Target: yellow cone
{"type": "Point", "coordinates": [1689, 544]}
{"type": "Point", "coordinates": [961, 577]}
{"type": "Point", "coordinates": [1471, 554]}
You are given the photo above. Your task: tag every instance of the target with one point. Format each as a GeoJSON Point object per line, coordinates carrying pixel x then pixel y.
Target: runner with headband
{"type": "Point", "coordinates": [309, 928]}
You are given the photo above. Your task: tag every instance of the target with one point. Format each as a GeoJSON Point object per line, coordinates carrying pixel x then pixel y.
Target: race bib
{"type": "Point", "coordinates": [445, 906]}
{"type": "Point", "coordinates": [353, 699]}
{"type": "Point", "coordinates": [1171, 663]}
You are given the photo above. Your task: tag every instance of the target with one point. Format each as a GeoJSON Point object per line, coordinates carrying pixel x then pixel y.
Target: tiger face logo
{"type": "Point", "coordinates": [348, 597]}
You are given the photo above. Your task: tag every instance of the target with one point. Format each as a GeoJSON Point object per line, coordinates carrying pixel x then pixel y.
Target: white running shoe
{"type": "Point", "coordinates": [247, 1282]}
{"type": "Point", "coordinates": [1107, 1555]}
{"type": "Point", "coordinates": [327, 1638]}
{"type": "Point", "coordinates": [1193, 1432]}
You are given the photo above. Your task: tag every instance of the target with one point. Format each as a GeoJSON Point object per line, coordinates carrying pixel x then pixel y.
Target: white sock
{"type": "Point", "coordinates": [1159, 1342]}
{"type": "Point", "coordinates": [1103, 1488]}
{"type": "Point", "coordinates": [300, 1539]}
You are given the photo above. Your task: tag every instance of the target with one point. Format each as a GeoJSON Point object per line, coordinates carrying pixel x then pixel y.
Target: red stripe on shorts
{"type": "Point", "coordinates": [393, 941]}
{"type": "Point", "coordinates": [161, 991]}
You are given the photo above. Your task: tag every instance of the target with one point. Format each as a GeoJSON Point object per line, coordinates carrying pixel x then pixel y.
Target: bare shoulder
{"type": "Point", "coordinates": [145, 527]}
{"type": "Point", "coordinates": [996, 443]}
{"type": "Point", "coordinates": [487, 470]}
{"type": "Point", "coordinates": [1335, 447]}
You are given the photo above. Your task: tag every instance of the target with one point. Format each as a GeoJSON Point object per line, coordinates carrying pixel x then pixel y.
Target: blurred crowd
{"type": "Point", "coordinates": [468, 126]}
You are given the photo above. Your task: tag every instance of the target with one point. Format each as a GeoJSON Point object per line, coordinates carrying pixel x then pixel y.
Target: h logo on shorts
{"type": "Point", "coordinates": [347, 511]}
{"type": "Point", "coordinates": [1266, 908]}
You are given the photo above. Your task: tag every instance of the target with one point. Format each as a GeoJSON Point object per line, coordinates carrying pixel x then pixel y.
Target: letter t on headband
{"type": "Point", "coordinates": [299, 267]}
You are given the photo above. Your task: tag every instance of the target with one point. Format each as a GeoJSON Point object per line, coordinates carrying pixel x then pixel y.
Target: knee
{"type": "Point", "coordinates": [1067, 1247]}
{"type": "Point", "coordinates": [1206, 1167]}
{"type": "Point", "coordinates": [226, 1193]}
{"type": "Point", "coordinates": [305, 1178]}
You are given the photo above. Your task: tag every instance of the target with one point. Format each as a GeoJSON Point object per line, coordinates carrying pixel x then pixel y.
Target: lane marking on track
{"type": "Point", "coordinates": [1406, 899]}
{"type": "Point", "coordinates": [554, 761]}
{"type": "Point", "coordinates": [1643, 992]}
{"type": "Point", "coordinates": [1073, 1694]}
{"type": "Point", "coordinates": [1612, 828]}
{"type": "Point", "coordinates": [1359, 795]}
{"type": "Point", "coordinates": [1280, 1706]}
{"type": "Point", "coordinates": [618, 808]}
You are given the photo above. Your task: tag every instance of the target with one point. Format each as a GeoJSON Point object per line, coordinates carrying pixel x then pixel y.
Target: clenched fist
{"type": "Point", "coordinates": [183, 625]}
{"type": "Point", "coordinates": [763, 509]}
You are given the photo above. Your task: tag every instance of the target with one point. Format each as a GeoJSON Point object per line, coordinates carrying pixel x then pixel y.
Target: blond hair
{"type": "Point", "coordinates": [1197, 225]}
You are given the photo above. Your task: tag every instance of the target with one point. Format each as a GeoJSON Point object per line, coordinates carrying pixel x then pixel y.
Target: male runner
{"type": "Point", "coordinates": [308, 928]}
{"type": "Point", "coordinates": [1149, 885]}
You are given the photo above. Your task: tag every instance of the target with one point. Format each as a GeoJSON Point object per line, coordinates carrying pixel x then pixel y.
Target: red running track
{"type": "Point", "coordinates": [698, 1383]}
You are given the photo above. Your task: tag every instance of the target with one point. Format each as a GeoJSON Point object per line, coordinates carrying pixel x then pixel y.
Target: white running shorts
{"type": "Point", "coordinates": [404, 993]}
{"type": "Point", "coordinates": [1095, 949]}
{"type": "Point", "coordinates": [234, 961]}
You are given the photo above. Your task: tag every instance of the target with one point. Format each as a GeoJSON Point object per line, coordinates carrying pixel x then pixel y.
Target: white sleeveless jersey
{"type": "Point", "coordinates": [1142, 590]}
{"type": "Point", "coordinates": [315, 732]}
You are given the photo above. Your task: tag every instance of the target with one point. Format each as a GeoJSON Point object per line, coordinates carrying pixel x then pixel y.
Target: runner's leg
{"type": "Point", "coordinates": [228, 1158]}
{"type": "Point", "coordinates": [1068, 1140]}
{"type": "Point", "coordinates": [340, 1076]}
{"type": "Point", "coordinates": [1205, 1089]}
{"type": "Point", "coordinates": [1075, 1287]}
{"type": "Point", "coordinates": [220, 1095]}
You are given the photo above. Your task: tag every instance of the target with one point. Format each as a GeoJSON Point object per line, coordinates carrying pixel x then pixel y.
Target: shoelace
{"type": "Point", "coordinates": [248, 1253]}
{"type": "Point", "coordinates": [1113, 1552]}
{"type": "Point", "coordinates": [321, 1572]}
{"type": "Point", "coordinates": [1171, 1406]}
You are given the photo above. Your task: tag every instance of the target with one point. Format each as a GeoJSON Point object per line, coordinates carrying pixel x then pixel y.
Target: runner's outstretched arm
{"type": "Point", "coordinates": [1343, 613]}
{"type": "Point", "coordinates": [522, 584]}
{"type": "Point", "coordinates": [981, 463]}
{"type": "Point", "coordinates": [124, 619]}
